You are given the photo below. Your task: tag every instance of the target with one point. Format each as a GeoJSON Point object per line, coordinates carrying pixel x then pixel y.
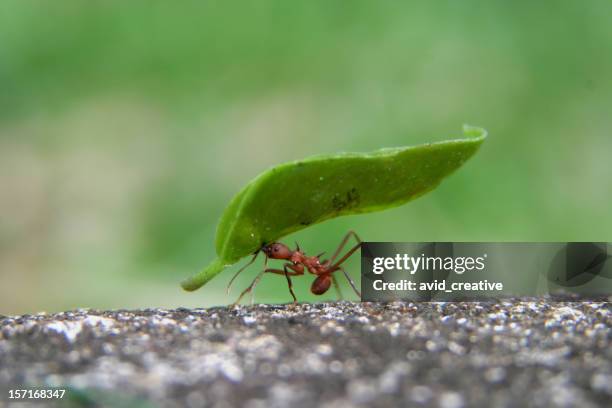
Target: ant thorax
{"type": "Point", "coordinates": [313, 265]}
{"type": "Point", "coordinates": [297, 257]}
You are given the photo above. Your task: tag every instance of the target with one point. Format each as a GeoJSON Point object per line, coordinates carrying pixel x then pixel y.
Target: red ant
{"type": "Point", "coordinates": [298, 262]}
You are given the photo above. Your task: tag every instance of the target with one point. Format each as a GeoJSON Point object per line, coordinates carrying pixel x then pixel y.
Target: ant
{"type": "Point", "coordinates": [298, 262]}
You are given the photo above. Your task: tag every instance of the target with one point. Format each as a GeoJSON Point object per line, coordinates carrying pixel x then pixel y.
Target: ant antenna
{"type": "Point", "coordinates": [229, 285]}
{"type": "Point", "coordinates": [297, 246]}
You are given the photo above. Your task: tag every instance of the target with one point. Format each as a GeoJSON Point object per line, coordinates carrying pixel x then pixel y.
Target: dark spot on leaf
{"type": "Point", "coordinates": [348, 200]}
{"type": "Point", "coordinates": [352, 197]}
{"type": "Point", "coordinates": [337, 203]}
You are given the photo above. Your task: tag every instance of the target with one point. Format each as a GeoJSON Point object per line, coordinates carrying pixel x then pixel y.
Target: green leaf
{"type": "Point", "coordinates": [295, 195]}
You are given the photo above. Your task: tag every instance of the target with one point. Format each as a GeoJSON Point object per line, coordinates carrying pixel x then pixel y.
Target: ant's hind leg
{"type": "Point", "coordinates": [343, 243]}
{"type": "Point", "coordinates": [346, 275]}
{"type": "Point", "coordinates": [346, 256]}
{"type": "Point", "coordinates": [337, 286]}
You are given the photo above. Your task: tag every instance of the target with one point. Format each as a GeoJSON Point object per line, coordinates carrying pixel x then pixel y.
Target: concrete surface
{"type": "Point", "coordinates": [512, 353]}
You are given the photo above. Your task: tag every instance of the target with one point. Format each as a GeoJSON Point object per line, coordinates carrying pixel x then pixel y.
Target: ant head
{"type": "Point", "coordinates": [276, 250]}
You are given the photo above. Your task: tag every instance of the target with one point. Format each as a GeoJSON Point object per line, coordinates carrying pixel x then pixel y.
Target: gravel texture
{"type": "Point", "coordinates": [512, 353]}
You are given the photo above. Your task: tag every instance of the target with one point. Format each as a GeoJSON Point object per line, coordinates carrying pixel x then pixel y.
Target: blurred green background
{"type": "Point", "coordinates": [126, 127]}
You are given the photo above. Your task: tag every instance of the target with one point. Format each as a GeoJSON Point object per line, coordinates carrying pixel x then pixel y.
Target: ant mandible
{"type": "Point", "coordinates": [298, 262]}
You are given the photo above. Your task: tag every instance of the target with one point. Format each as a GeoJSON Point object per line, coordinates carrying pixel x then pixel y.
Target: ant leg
{"type": "Point", "coordinates": [337, 265]}
{"type": "Point", "coordinates": [343, 243]}
{"type": "Point", "coordinates": [350, 281]}
{"type": "Point", "coordinates": [250, 288]}
{"type": "Point", "coordinates": [290, 284]}
{"type": "Point", "coordinates": [229, 285]}
{"type": "Point", "coordinates": [252, 285]}
{"type": "Point", "coordinates": [287, 274]}
{"type": "Point", "coordinates": [255, 281]}
{"type": "Point", "coordinates": [335, 281]}
{"type": "Point", "coordinates": [345, 257]}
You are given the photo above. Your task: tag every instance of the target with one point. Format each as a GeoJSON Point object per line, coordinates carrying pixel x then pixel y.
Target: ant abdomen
{"type": "Point", "coordinates": [321, 284]}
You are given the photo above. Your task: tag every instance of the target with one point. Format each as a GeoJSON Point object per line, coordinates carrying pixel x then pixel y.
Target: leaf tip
{"type": "Point", "coordinates": [475, 132]}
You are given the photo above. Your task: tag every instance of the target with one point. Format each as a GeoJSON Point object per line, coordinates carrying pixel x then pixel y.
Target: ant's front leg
{"type": "Point", "coordinates": [249, 288]}
{"type": "Point", "coordinates": [229, 285]}
{"type": "Point", "coordinates": [296, 270]}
